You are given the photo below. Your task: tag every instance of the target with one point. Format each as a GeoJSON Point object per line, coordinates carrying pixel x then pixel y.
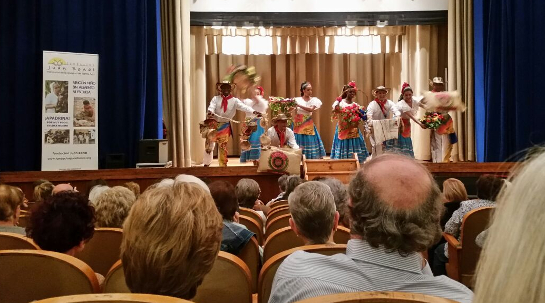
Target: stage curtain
{"type": "Point", "coordinates": [124, 34]}
{"type": "Point", "coordinates": [461, 76]}
{"type": "Point", "coordinates": [180, 113]}
{"type": "Point", "coordinates": [420, 53]}
{"type": "Point", "coordinates": [511, 48]}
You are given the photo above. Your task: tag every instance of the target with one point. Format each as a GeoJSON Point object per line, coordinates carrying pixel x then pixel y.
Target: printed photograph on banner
{"type": "Point", "coordinates": [84, 136]}
{"type": "Point", "coordinates": [56, 97]}
{"type": "Point", "coordinates": [84, 112]}
{"type": "Point", "coordinates": [57, 136]}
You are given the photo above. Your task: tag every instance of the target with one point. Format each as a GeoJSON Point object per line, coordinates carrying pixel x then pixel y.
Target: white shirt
{"type": "Point", "coordinates": [375, 113]}
{"type": "Point", "coordinates": [232, 105]}
{"type": "Point", "coordinates": [312, 102]}
{"type": "Point", "coordinates": [51, 99]}
{"type": "Point", "coordinates": [290, 138]}
{"type": "Point", "coordinates": [260, 106]}
{"type": "Point", "coordinates": [401, 107]}
{"type": "Point", "coordinates": [342, 104]}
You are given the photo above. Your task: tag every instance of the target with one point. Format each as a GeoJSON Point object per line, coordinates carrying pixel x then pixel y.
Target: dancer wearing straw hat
{"type": "Point", "coordinates": [441, 146]}
{"type": "Point", "coordinates": [379, 109]}
{"type": "Point", "coordinates": [223, 108]}
{"type": "Point", "coordinates": [280, 134]}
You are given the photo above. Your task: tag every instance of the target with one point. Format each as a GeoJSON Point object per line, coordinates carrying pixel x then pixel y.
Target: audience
{"type": "Point", "coordinates": [93, 183]}
{"type": "Point", "coordinates": [96, 192]}
{"type": "Point", "coordinates": [313, 215]}
{"type": "Point", "coordinates": [10, 209]}
{"type": "Point", "coordinates": [113, 206]}
{"type": "Point", "coordinates": [192, 179]}
{"type": "Point", "coordinates": [134, 187]}
{"type": "Point", "coordinates": [488, 188]}
{"type": "Point", "coordinates": [42, 191]}
{"type": "Point", "coordinates": [511, 265]}
{"type": "Point", "coordinates": [454, 192]}
{"type": "Point", "coordinates": [170, 256]}
{"type": "Point", "coordinates": [247, 192]}
{"type": "Point", "coordinates": [291, 183]}
{"type": "Point", "coordinates": [282, 181]}
{"type": "Point", "coordinates": [340, 194]}
{"type": "Point", "coordinates": [62, 187]}
{"type": "Point", "coordinates": [234, 235]}
{"type": "Point", "coordinates": [393, 220]}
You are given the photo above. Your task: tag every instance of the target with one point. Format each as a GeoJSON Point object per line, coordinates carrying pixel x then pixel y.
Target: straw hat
{"type": "Point", "coordinates": [280, 117]}
{"type": "Point", "coordinates": [380, 88]}
{"type": "Point", "coordinates": [219, 85]}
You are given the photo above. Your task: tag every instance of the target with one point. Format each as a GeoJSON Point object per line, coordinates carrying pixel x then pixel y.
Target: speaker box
{"type": "Point", "coordinates": [153, 151]}
{"type": "Point", "coordinates": [115, 161]}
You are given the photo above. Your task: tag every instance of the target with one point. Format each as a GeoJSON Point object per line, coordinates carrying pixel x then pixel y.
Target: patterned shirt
{"type": "Point", "coordinates": [363, 268]}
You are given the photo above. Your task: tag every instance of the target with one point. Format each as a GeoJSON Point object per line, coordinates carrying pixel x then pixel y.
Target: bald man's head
{"type": "Point", "coordinates": [396, 204]}
{"type": "Point", "coordinates": [62, 187]}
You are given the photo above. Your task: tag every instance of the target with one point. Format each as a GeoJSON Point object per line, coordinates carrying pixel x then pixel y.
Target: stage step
{"type": "Point", "coordinates": [341, 169]}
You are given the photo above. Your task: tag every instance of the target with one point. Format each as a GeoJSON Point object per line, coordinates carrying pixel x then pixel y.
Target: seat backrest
{"type": "Point", "coordinates": [228, 281]}
{"type": "Point", "coordinates": [23, 220]}
{"type": "Point", "coordinates": [342, 235]}
{"type": "Point", "coordinates": [277, 212]}
{"type": "Point", "coordinates": [29, 275]}
{"type": "Point", "coordinates": [114, 298]}
{"type": "Point", "coordinates": [278, 204]}
{"type": "Point", "coordinates": [248, 212]}
{"type": "Point", "coordinates": [103, 250]}
{"type": "Point", "coordinates": [473, 223]}
{"type": "Point", "coordinates": [277, 223]}
{"type": "Point", "coordinates": [279, 241]}
{"type": "Point", "coordinates": [266, 276]}
{"type": "Point", "coordinates": [377, 297]}
{"type": "Point", "coordinates": [16, 241]}
{"type": "Point", "coordinates": [250, 255]}
{"type": "Point", "coordinates": [115, 280]}
{"type": "Point", "coordinates": [253, 226]}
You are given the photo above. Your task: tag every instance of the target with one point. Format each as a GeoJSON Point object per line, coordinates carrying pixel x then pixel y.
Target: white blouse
{"type": "Point", "coordinates": [401, 107]}
{"type": "Point", "coordinates": [312, 102]}
{"type": "Point", "coordinates": [260, 106]}
{"type": "Point", "coordinates": [342, 104]}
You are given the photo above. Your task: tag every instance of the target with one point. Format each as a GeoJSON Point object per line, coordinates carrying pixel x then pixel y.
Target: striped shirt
{"type": "Point", "coordinates": [363, 268]}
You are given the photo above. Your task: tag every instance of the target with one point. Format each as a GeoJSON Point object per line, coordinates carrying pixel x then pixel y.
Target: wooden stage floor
{"type": "Point", "coordinates": [466, 171]}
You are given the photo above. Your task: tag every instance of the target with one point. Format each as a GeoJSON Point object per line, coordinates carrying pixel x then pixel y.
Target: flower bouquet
{"type": "Point", "coordinates": [433, 120]}
{"type": "Point", "coordinates": [280, 105]}
{"type": "Point", "coordinates": [350, 116]}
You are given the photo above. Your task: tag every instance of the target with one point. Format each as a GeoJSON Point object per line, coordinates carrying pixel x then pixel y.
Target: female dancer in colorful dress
{"type": "Point", "coordinates": [347, 140]}
{"type": "Point", "coordinates": [305, 131]}
{"type": "Point", "coordinates": [407, 109]}
{"type": "Point", "coordinates": [259, 104]}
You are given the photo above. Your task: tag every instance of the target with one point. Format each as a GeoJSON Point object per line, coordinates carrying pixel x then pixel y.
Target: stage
{"type": "Point", "coordinates": [468, 172]}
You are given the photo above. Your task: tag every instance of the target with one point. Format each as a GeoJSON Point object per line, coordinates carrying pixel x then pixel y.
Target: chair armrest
{"type": "Point", "coordinates": [454, 253]}
{"type": "Point", "coordinates": [452, 241]}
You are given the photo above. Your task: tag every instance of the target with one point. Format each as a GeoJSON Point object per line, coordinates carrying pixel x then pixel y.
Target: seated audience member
{"type": "Point", "coordinates": [313, 215]}
{"type": "Point", "coordinates": [291, 183]}
{"type": "Point", "coordinates": [234, 235]}
{"type": "Point", "coordinates": [340, 194]}
{"type": "Point", "coordinates": [10, 209]}
{"type": "Point", "coordinates": [392, 221]}
{"type": "Point", "coordinates": [93, 183]}
{"type": "Point", "coordinates": [171, 239]}
{"type": "Point", "coordinates": [454, 192]}
{"type": "Point", "coordinates": [112, 206]}
{"type": "Point", "coordinates": [134, 187]}
{"type": "Point", "coordinates": [511, 265]}
{"type": "Point", "coordinates": [96, 192]}
{"type": "Point", "coordinates": [248, 191]}
{"type": "Point", "coordinates": [479, 240]}
{"type": "Point", "coordinates": [488, 188]}
{"type": "Point", "coordinates": [42, 191]}
{"type": "Point", "coordinates": [62, 187]}
{"type": "Point", "coordinates": [282, 186]}
{"type": "Point", "coordinates": [192, 179]}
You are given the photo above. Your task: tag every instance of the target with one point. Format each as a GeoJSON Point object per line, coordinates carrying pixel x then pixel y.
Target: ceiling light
{"type": "Point", "coordinates": [382, 23]}
{"type": "Point", "coordinates": [351, 24]}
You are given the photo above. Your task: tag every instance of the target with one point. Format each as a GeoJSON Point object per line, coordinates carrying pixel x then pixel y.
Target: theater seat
{"type": "Point", "coordinates": [115, 280]}
{"type": "Point", "coordinates": [114, 298]}
{"type": "Point", "coordinates": [16, 241]}
{"type": "Point", "coordinates": [377, 297]}
{"type": "Point", "coordinates": [276, 224]}
{"type": "Point", "coordinates": [28, 275]}
{"type": "Point", "coordinates": [277, 212]}
{"type": "Point", "coordinates": [250, 255]}
{"type": "Point", "coordinates": [278, 204]}
{"type": "Point", "coordinates": [248, 212]}
{"type": "Point", "coordinates": [103, 250]}
{"type": "Point", "coordinates": [254, 226]}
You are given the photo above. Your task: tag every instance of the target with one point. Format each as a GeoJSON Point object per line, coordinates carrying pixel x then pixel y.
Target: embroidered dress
{"type": "Point", "coordinates": [347, 141]}
{"type": "Point", "coordinates": [305, 131]}
{"type": "Point", "coordinates": [403, 144]}
{"type": "Point", "coordinates": [255, 150]}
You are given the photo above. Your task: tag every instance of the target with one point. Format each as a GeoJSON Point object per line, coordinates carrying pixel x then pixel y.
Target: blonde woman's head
{"type": "Point", "coordinates": [113, 206]}
{"type": "Point", "coordinates": [10, 203]}
{"type": "Point", "coordinates": [171, 239]}
{"type": "Point", "coordinates": [454, 190]}
{"type": "Point", "coordinates": [513, 259]}
{"type": "Point", "coordinates": [42, 191]}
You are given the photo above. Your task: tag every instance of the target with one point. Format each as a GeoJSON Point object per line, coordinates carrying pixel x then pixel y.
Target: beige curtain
{"type": "Point", "coordinates": [180, 113]}
{"type": "Point", "coordinates": [460, 75]}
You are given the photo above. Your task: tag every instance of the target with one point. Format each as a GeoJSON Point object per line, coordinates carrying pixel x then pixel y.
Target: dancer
{"type": "Point", "coordinates": [348, 138]}
{"type": "Point", "coordinates": [259, 104]}
{"type": "Point", "coordinates": [223, 108]}
{"type": "Point", "coordinates": [305, 131]}
{"type": "Point", "coordinates": [441, 147]}
{"type": "Point", "coordinates": [407, 109]}
{"type": "Point", "coordinates": [379, 109]}
{"type": "Point", "coordinates": [280, 134]}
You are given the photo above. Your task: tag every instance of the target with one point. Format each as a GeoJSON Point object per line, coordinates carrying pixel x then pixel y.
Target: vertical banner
{"type": "Point", "coordinates": [69, 111]}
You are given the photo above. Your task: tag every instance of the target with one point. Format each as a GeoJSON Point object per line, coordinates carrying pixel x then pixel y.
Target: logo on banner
{"type": "Point", "coordinates": [60, 65]}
